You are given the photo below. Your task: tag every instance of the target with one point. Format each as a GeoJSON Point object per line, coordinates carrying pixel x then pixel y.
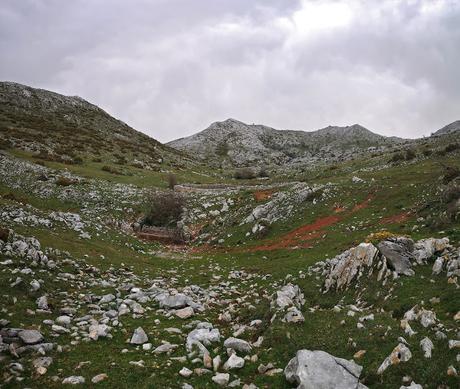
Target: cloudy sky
{"type": "Point", "coordinates": [171, 67]}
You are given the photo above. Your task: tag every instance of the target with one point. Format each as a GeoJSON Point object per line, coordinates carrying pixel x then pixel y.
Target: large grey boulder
{"type": "Point", "coordinates": [202, 337]}
{"type": "Point", "coordinates": [30, 336]}
{"type": "Point", "coordinates": [399, 254]}
{"type": "Point", "coordinates": [320, 370]}
{"type": "Point", "coordinates": [239, 345]}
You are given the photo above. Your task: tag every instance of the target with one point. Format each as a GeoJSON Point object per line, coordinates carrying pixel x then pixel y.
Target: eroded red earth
{"type": "Point", "coordinates": [306, 235]}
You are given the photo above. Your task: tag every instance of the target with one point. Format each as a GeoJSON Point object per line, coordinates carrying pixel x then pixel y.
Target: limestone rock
{"type": "Point", "coordinates": [73, 380]}
{"type": "Point", "coordinates": [139, 336]}
{"type": "Point", "coordinates": [239, 345]}
{"type": "Point", "coordinates": [234, 362]}
{"type": "Point", "coordinates": [30, 336]}
{"type": "Point", "coordinates": [400, 353]}
{"type": "Point", "coordinates": [221, 379]}
{"type": "Point", "coordinates": [320, 370]}
{"type": "Point", "coordinates": [398, 252]}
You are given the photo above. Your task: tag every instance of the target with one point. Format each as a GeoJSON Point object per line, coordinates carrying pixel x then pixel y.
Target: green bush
{"type": "Point", "coordinates": [410, 154]}
{"type": "Point", "coordinates": [452, 147]}
{"type": "Point", "coordinates": [64, 181]}
{"type": "Point", "coordinates": [164, 209]}
{"type": "Point", "coordinates": [244, 174]}
{"type": "Point", "coordinates": [397, 157]}
{"type": "Point", "coordinates": [111, 169]}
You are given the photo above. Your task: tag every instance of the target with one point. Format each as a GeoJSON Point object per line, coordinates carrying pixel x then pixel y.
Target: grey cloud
{"type": "Point", "coordinates": [171, 67]}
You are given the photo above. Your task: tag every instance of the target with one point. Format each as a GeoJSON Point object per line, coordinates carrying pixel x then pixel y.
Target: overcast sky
{"type": "Point", "coordinates": [171, 67]}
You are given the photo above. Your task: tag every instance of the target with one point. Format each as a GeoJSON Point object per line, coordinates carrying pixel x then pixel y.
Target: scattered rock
{"type": "Point", "coordinates": [139, 336]}
{"type": "Point", "coordinates": [99, 378]}
{"type": "Point", "coordinates": [73, 380]}
{"type": "Point", "coordinates": [238, 345]}
{"type": "Point", "coordinates": [400, 353]}
{"type": "Point", "coordinates": [221, 379]}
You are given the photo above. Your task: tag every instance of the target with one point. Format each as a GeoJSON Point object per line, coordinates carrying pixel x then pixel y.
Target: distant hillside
{"type": "Point", "coordinates": [241, 144]}
{"type": "Point", "coordinates": [449, 129]}
{"type": "Point", "coordinates": [66, 128]}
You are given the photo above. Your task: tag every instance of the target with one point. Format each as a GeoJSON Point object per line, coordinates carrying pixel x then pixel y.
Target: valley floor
{"type": "Point", "coordinates": [109, 310]}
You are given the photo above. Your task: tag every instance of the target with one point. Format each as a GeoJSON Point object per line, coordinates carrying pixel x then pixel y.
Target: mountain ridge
{"type": "Point", "coordinates": [242, 144]}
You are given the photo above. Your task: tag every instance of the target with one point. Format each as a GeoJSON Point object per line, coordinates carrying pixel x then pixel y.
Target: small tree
{"type": "Point", "coordinates": [164, 209]}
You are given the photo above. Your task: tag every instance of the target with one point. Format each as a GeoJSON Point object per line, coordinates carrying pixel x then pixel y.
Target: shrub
{"type": "Point", "coordinates": [264, 172]}
{"type": "Point", "coordinates": [427, 152]}
{"type": "Point", "coordinates": [244, 174]}
{"type": "Point", "coordinates": [264, 231]}
{"type": "Point", "coordinates": [164, 209]}
{"type": "Point", "coordinates": [4, 234]}
{"type": "Point", "coordinates": [450, 174]}
{"type": "Point", "coordinates": [451, 193]}
{"type": "Point", "coordinates": [452, 147]}
{"type": "Point", "coordinates": [410, 154]}
{"type": "Point", "coordinates": [64, 181]}
{"type": "Point", "coordinates": [78, 160]}
{"type": "Point", "coordinates": [111, 170]}
{"type": "Point", "coordinates": [172, 180]}
{"type": "Point", "coordinates": [397, 157]}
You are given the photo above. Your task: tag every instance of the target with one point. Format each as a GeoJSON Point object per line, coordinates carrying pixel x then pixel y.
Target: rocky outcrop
{"type": "Point", "coordinates": [395, 256]}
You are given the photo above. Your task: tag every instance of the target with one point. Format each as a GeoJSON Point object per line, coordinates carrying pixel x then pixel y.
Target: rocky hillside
{"type": "Point", "coordinates": [449, 129]}
{"type": "Point", "coordinates": [66, 129]}
{"type": "Point", "coordinates": [242, 144]}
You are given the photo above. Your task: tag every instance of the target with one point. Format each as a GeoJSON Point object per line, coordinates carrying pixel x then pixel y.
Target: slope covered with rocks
{"type": "Point", "coordinates": [69, 129]}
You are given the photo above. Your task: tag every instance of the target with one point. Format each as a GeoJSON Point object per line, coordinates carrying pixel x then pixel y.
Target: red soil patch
{"type": "Point", "coordinates": [299, 237]}
{"type": "Point", "coordinates": [262, 195]}
{"type": "Point", "coordinates": [399, 218]}
{"type": "Point", "coordinates": [338, 209]}
{"type": "Point", "coordinates": [157, 236]}
{"type": "Point", "coordinates": [364, 204]}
